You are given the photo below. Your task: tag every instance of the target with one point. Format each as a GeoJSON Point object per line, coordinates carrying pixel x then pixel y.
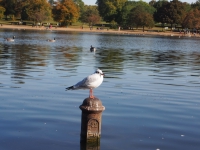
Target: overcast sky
{"type": "Point", "coordinates": [92, 2]}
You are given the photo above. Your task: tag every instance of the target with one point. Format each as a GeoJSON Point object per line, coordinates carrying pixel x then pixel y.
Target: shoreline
{"type": "Point", "coordinates": [133, 32]}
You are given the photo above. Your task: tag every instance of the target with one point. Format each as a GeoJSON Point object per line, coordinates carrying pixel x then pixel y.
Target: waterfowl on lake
{"type": "Point", "coordinates": [90, 82]}
{"type": "Point", "coordinates": [10, 39]}
{"type": "Point", "coordinates": [92, 49]}
{"type": "Point", "coordinates": [52, 40]}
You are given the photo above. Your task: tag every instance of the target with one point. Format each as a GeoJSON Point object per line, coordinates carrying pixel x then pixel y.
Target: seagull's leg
{"type": "Point", "coordinates": [91, 93]}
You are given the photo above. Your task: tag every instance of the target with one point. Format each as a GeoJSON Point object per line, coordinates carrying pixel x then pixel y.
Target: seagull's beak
{"type": "Point", "coordinates": [102, 74]}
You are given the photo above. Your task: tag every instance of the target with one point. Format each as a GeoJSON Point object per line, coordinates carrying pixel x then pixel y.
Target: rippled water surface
{"type": "Point", "coordinates": [151, 90]}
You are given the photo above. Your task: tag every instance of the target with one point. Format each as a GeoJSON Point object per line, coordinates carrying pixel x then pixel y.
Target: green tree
{"type": "Point", "coordinates": [66, 12]}
{"type": "Point", "coordinates": [90, 15]}
{"type": "Point", "coordinates": [13, 7]}
{"type": "Point", "coordinates": [110, 9]}
{"type": "Point", "coordinates": [2, 10]}
{"type": "Point", "coordinates": [80, 4]}
{"type": "Point", "coordinates": [196, 4]}
{"type": "Point", "coordinates": [38, 10]}
{"type": "Point", "coordinates": [159, 14]}
{"type": "Point", "coordinates": [138, 16]}
{"type": "Point", "coordinates": [192, 19]}
{"type": "Point", "coordinates": [158, 4]}
{"type": "Point", "coordinates": [172, 12]}
{"type": "Point", "coordinates": [9, 7]}
{"type": "Point", "coordinates": [128, 6]}
{"type": "Point", "coordinates": [152, 2]}
{"type": "Point", "coordinates": [125, 11]}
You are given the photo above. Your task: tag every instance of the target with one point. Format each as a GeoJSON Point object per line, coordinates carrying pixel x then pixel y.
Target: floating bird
{"type": "Point", "coordinates": [10, 39]}
{"type": "Point", "coordinates": [92, 49]}
{"type": "Point", "coordinates": [52, 40]}
{"type": "Point", "coordinates": [92, 81]}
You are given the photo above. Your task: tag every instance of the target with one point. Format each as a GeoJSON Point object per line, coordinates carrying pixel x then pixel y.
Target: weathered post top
{"type": "Point", "coordinates": [92, 104]}
{"type": "Point", "coordinates": [92, 109]}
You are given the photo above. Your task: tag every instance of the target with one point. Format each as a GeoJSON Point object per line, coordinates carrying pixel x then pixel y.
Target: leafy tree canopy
{"type": "Point", "coordinates": [192, 19]}
{"type": "Point", "coordinates": [110, 9]}
{"type": "Point", "coordinates": [172, 12]}
{"type": "Point", "coordinates": [66, 12]}
{"type": "Point", "coordinates": [196, 4]}
{"type": "Point", "coordinates": [90, 15]}
{"type": "Point", "coordinates": [2, 10]}
{"type": "Point", "coordinates": [139, 16]}
{"type": "Point", "coordinates": [38, 10]}
{"type": "Point", "coordinates": [130, 5]}
{"type": "Point", "coordinates": [9, 6]}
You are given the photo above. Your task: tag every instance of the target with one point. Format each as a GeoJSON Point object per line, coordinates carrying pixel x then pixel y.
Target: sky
{"type": "Point", "coordinates": [92, 2]}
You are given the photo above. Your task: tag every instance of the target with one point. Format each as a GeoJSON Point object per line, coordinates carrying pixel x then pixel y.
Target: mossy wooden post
{"type": "Point", "coordinates": [92, 109]}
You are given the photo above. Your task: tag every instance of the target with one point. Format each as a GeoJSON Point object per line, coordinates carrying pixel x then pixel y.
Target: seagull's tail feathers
{"type": "Point", "coordinates": [70, 88]}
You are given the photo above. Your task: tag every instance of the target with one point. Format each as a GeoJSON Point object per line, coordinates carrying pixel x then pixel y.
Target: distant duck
{"type": "Point", "coordinates": [10, 39]}
{"type": "Point", "coordinates": [92, 49]}
{"type": "Point", "coordinates": [50, 40]}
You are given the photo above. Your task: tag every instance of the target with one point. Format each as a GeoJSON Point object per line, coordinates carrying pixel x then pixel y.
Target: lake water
{"type": "Point", "coordinates": [151, 90]}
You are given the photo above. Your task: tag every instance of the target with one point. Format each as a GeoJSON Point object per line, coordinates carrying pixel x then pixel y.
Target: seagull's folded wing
{"type": "Point", "coordinates": [81, 84]}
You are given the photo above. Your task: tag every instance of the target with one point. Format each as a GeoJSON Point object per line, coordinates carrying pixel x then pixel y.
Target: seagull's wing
{"type": "Point", "coordinates": [82, 84]}
{"type": "Point", "coordinates": [78, 85]}
{"type": "Point", "coordinates": [87, 82]}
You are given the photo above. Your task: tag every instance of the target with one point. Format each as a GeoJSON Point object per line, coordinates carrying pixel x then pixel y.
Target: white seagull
{"type": "Point", "coordinates": [90, 82]}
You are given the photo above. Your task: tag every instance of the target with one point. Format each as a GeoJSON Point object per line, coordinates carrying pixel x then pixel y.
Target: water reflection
{"type": "Point", "coordinates": [31, 55]}
{"type": "Point", "coordinates": [111, 59]}
{"type": "Point", "coordinates": [151, 89]}
{"type": "Point", "coordinates": [90, 146]}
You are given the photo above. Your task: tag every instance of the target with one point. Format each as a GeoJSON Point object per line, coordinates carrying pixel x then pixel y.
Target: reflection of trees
{"type": "Point", "coordinates": [67, 57]}
{"type": "Point", "coordinates": [167, 56]}
{"type": "Point", "coordinates": [170, 62]}
{"type": "Point", "coordinates": [167, 62]}
{"type": "Point", "coordinates": [26, 59]}
{"type": "Point", "coordinates": [195, 62]}
{"type": "Point", "coordinates": [111, 59]}
{"type": "Point", "coordinates": [23, 59]}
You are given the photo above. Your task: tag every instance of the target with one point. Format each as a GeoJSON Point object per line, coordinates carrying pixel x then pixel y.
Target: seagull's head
{"type": "Point", "coordinates": [98, 71]}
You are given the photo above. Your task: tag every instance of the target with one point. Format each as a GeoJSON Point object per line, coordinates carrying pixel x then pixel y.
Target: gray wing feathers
{"type": "Point", "coordinates": [86, 83]}
{"type": "Point", "coordinates": [81, 84]}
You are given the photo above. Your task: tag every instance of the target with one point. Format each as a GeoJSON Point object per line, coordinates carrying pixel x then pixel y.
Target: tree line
{"type": "Point", "coordinates": [124, 13]}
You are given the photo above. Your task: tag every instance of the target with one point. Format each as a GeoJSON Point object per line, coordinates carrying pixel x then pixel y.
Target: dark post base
{"type": "Point", "coordinates": [90, 146]}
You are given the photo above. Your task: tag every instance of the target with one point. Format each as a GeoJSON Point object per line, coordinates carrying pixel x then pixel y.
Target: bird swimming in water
{"type": "Point", "coordinates": [51, 40]}
{"type": "Point", "coordinates": [90, 82]}
{"type": "Point", "coordinates": [10, 39]}
{"type": "Point", "coordinates": [92, 49]}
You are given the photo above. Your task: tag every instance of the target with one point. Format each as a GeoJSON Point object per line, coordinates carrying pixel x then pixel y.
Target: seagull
{"type": "Point", "coordinates": [10, 39]}
{"type": "Point", "coordinates": [50, 40]}
{"type": "Point", "coordinates": [90, 82]}
{"type": "Point", "coordinates": [92, 49]}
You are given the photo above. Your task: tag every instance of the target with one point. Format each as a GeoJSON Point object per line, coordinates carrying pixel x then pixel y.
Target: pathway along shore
{"type": "Point", "coordinates": [134, 32]}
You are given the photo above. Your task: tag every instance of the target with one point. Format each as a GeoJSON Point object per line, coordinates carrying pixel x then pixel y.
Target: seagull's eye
{"type": "Point", "coordinates": [97, 71]}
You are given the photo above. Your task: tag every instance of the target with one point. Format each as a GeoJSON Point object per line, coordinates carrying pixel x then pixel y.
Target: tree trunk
{"type": "Point", "coordinates": [171, 26]}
